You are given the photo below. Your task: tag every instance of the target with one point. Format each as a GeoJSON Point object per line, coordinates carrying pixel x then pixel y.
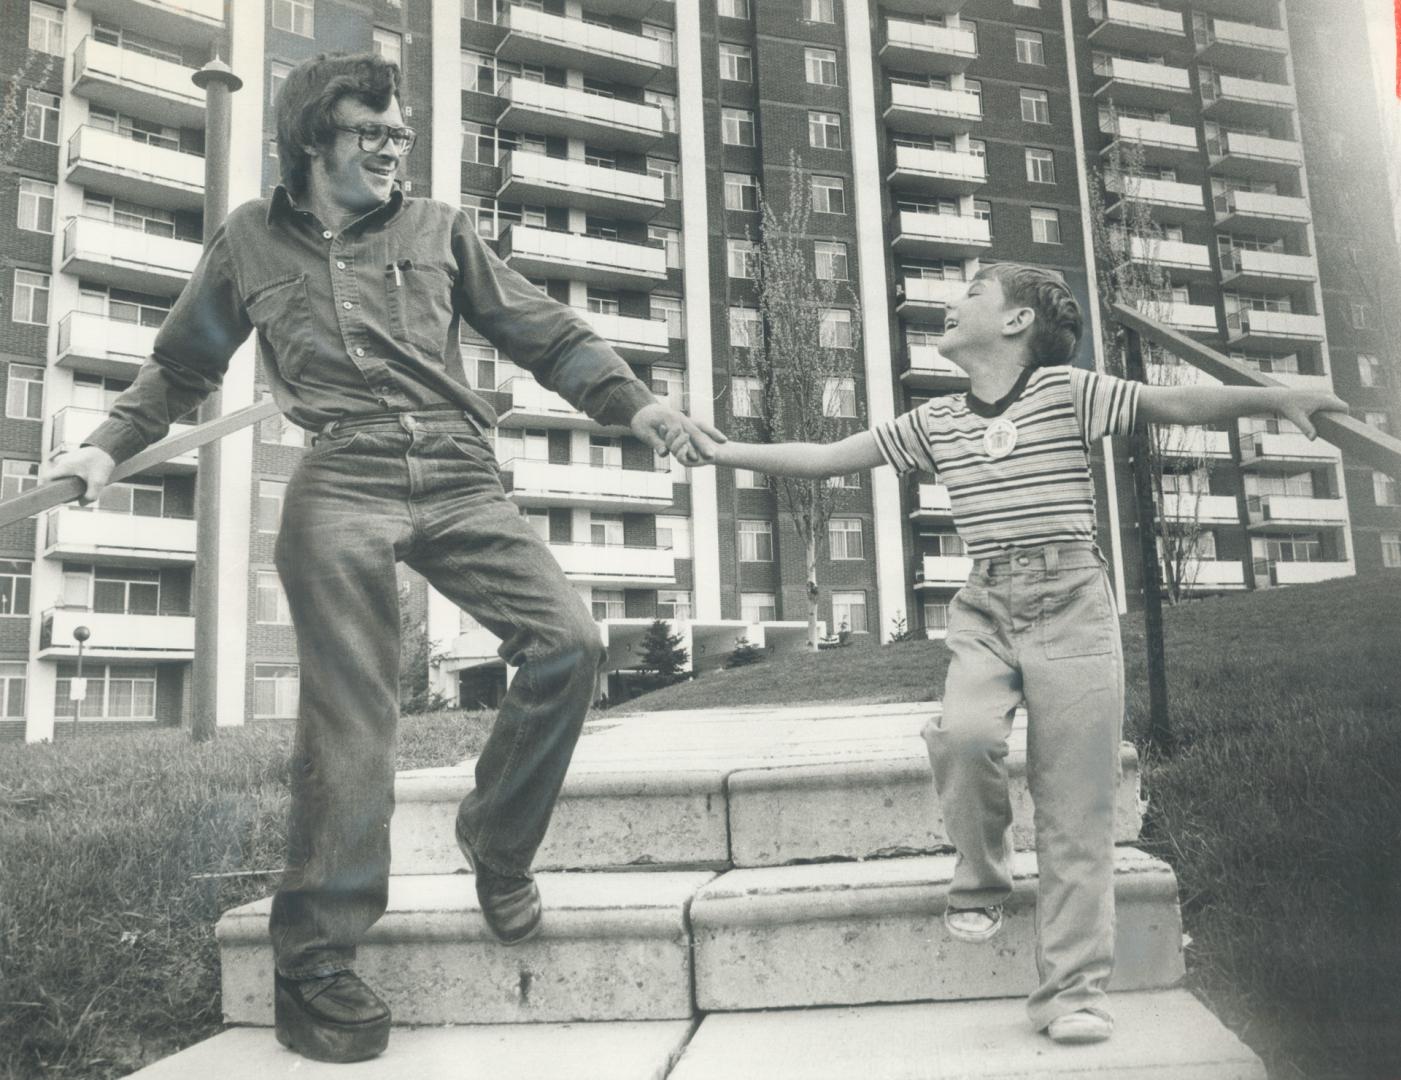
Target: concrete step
{"type": "Point", "coordinates": [617, 1051]}
{"type": "Point", "coordinates": [612, 947]}
{"type": "Point", "coordinates": [853, 933]}
{"type": "Point", "coordinates": [1160, 1035]}
{"type": "Point", "coordinates": [746, 788]}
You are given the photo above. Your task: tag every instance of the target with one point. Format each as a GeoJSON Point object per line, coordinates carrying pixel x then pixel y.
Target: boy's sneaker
{"type": "Point", "coordinates": [973, 925]}
{"type": "Point", "coordinates": [1084, 1026]}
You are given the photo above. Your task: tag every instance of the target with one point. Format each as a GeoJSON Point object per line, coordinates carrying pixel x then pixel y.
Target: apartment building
{"type": "Point", "coordinates": [613, 152]}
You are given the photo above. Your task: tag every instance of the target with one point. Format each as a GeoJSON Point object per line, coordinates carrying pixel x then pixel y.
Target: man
{"type": "Point", "coordinates": [355, 292]}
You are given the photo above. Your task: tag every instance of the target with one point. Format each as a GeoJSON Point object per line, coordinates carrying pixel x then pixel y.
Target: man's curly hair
{"type": "Point", "coordinates": [1059, 323]}
{"type": "Point", "coordinates": [306, 105]}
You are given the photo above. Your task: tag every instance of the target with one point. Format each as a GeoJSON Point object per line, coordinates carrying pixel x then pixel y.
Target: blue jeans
{"type": "Point", "coordinates": [422, 488]}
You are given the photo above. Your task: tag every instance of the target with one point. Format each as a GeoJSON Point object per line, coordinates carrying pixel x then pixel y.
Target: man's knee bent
{"type": "Point", "coordinates": [967, 738]}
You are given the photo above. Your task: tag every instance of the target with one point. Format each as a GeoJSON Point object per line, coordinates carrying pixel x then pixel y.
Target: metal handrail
{"type": "Point", "coordinates": [69, 488]}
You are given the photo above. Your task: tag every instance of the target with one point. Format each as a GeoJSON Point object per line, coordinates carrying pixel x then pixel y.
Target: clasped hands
{"type": "Point", "coordinates": [667, 431]}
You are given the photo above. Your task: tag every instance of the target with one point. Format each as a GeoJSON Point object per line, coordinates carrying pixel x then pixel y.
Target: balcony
{"type": "Point", "coordinates": [1273, 330]}
{"type": "Point", "coordinates": [634, 9]}
{"type": "Point", "coordinates": [943, 571]}
{"type": "Point", "coordinates": [940, 235]}
{"type": "Point", "coordinates": [932, 111]}
{"type": "Point", "coordinates": [1209, 575]}
{"type": "Point", "coordinates": [1302, 381]}
{"type": "Point", "coordinates": [116, 636]}
{"type": "Point", "coordinates": [1178, 374]}
{"type": "Point", "coordinates": [1255, 157]}
{"type": "Point", "coordinates": [577, 483]}
{"type": "Point", "coordinates": [1237, 44]}
{"type": "Point", "coordinates": [1136, 27]}
{"type": "Point", "coordinates": [535, 37]}
{"type": "Point", "coordinates": [118, 539]}
{"type": "Point", "coordinates": [1258, 213]}
{"type": "Point", "coordinates": [103, 346]}
{"type": "Point", "coordinates": [1239, 9]}
{"type": "Point", "coordinates": [538, 180]}
{"type": "Point", "coordinates": [73, 424]}
{"type": "Point", "coordinates": [938, 172]}
{"type": "Point", "coordinates": [538, 109]}
{"type": "Point", "coordinates": [927, 298]}
{"type": "Point", "coordinates": [932, 503]}
{"type": "Point", "coordinates": [1266, 271]}
{"type": "Point", "coordinates": [922, 8]}
{"type": "Point", "coordinates": [1299, 573]}
{"type": "Point", "coordinates": [135, 83]}
{"type": "Point", "coordinates": [613, 264]}
{"type": "Point", "coordinates": [928, 50]}
{"type": "Point", "coordinates": [1287, 452]}
{"type": "Point", "coordinates": [1201, 509]}
{"type": "Point", "coordinates": [928, 369]}
{"type": "Point", "coordinates": [109, 163]}
{"type": "Point", "coordinates": [1136, 83]}
{"type": "Point", "coordinates": [1181, 261]}
{"type": "Point", "coordinates": [1230, 99]}
{"type": "Point", "coordinates": [97, 250]}
{"type": "Point", "coordinates": [616, 564]}
{"type": "Point", "coordinates": [1172, 202]}
{"type": "Point", "coordinates": [632, 337]}
{"type": "Point", "coordinates": [1177, 440]}
{"type": "Point", "coordinates": [1162, 143]}
{"type": "Point", "coordinates": [180, 22]}
{"type": "Point", "coordinates": [1189, 318]}
{"type": "Point", "coordinates": [1289, 512]}
{"type": "Point", "coordinates": [534, 406]}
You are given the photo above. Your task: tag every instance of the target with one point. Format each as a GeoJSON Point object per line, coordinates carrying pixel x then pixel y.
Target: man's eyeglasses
{"type": "Point", "coordinates": [374, 136]}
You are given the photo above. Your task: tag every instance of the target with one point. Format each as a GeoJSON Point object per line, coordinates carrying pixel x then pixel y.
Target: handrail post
{"type": "Point", "coordinates": [1159, 725]}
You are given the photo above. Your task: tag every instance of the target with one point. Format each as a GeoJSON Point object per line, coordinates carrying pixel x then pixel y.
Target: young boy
{"type": "Point", "coordinates": [1037, 620]}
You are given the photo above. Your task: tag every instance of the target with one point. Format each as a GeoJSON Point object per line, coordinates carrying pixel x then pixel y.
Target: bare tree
{"type": "Point", "coordinates": [34, 72]}
{"type": "Point", "coordinates": [804, 360]}
{"type": "Point", "coordinates": [1131, 271]}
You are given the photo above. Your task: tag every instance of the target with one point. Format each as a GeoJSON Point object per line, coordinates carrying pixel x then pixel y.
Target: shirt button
{"type": "Point", "coordinates": [327, 234]}
{"type": "Point", "coordinates": [359, 352]}
{"type": "Point", "coordinates": [340, 265]}
{"type": "Point", "coordinates": [383, 403]}
{"type": "Point", "coordinates": [347, 304]}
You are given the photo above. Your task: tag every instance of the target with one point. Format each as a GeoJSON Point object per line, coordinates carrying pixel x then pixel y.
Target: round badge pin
{"type": "Point", "coordinates": [1000, 438]}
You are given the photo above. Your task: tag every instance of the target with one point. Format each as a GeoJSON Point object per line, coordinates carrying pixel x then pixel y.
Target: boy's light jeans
{"type": "Point", "coordinates": [1039, 625]}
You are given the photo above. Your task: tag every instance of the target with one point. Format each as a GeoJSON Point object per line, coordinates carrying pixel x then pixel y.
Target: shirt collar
{"type": "Point", "coordinates": [282, 205]}
{"type": "Point", "coordinates": [990, 409]}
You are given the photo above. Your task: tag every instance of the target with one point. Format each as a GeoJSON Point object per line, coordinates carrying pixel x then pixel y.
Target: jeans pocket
{"type": "Point", "coordinates": [474, 448]}
{"type": "Point", "coordinates": [282, 313]}
{"type": "Point", "coordinates": [970, 612]}
{"type": "Point", "coordinates": [1076, 618]}
{"type": "Point", "coordinates": [332, 444]}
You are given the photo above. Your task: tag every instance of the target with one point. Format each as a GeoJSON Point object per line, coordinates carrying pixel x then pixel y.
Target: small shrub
{"type": "Point", "coordinates": [746, 653]}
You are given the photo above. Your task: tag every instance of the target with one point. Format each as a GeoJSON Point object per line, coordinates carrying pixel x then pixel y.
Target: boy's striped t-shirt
{"type": "Point", "coordinates": [1040, 493]}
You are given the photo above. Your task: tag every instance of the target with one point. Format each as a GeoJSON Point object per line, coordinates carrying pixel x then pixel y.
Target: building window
{"type": "Point", "coordinates": [828, 195]}
{"type": "Point", "coordinates": [1370, 371]}
{"type": "Point", "coordinates": [669, 172]}
{"type": "Point", "coordinates": [755, 541]}
{"type": "Point", "coordinates": [276, 688]}
{"type": "Point", "coordinates": [14, 584]}
{"type": "Point", "coordinates": [746, 396]}
{"type": "Point", "coordinates": [272, 601]}
{"type": "Point", "coordinates": [834, 332]}
{"type": "Point", "coordinates": [831, 262]}
{"type": "Point", "coordinates": [271, 494]}
{"type": "Point", "coordinates": [746, 327]}
{"type": "Point", "coordinates": [1377, 419]}
{"type": "Point", "coordinates": [1036, 106]}
{"type": "Point", "coordinates": [742, 258]}
{"type": "Point", "coordinates": [114, 692]}
{"type": "Point", "coordinates": [606, 530]}
{"type": "Point", "coordinates": [609, 604]}
{"type": "Point", "coordinates": [936, 615]}
{"type": "Point", "coordinates": [24, 394]}
{"type": "Point", "coordinates": [388, 44]}
{"type": "Point", "coordinates": [18, 477]}
{"type": "Point", "coordinates": [825, 130]}
{"type": "Point", "coordinates": [670, 310]}
{"type": "Point", "coordinates": [982, 211]}
{"type": "Point", "coordinates": [674, 605]}
{"type": "Point", "coordinates": [277, 430]}
{"type": "Point", "coordinates": [1384, 489]}
{"type": "Point", "coordinates": [1026, 3]}
{"type": "Point", "coordinates": [1045, 225]}
{"type": "Point", "coordinates": [741, 191]}
{"type": "Point", "coordinates": [13, 682]}
{"type": "Point", "coordinates": [755, 607]}
{"type": "Point", "coordinates": [478, 72]}
{"type": "Point", "coordinates": [839, 397]}
{"type": "Point", "coordinates": [669, 240]}
{"type": "Point", "coordinates": [666, 103]}
{"type": "Point", "coordinates": [1359, 316]}
{"type": "Point", "coordinates": [1031, 47]}
{"type": "Point", "coordinates": [749, 480]}
{"type": "Point", "coordinates": [45, 29]}
{"type": "Point", "coordinates": [1391, 549]}
{"type": "Point", "coordinates": [736, 62]}
{"type": "Point", "coordinates": [41, 116]}
{"type": "Point", "coordinates": [293, 15]}
{"type": "Point", "coordinates": [734, 9]}
{"type": "Point", "coordinates": [820, 11]}
{"type": "Point", "coordinates": [1040, 166]}
{"type": "Point", "coordinates": [737, 127]}
{"type": "Point", "coordinates": [844, 538]}
{"type": "Point", "coordinates": [665, 37]}
{"type": "Point", "coordinates": [849, 611]}
{"type": "Point", "coordinates": [821, 66]}
{"type": "Point", "coordinates": [36, 205]}
{"type": "Point", "coordinates": [674, 535]}
{"type": "Point", "coordinates": [126, 592]}
{"type": "Point", "coordinates": [277, 76]}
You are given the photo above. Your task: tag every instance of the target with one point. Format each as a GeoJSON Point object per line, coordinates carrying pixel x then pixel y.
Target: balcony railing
{"type": "Point", "coordinates": [1177, 440]}
{"type": "Point", "coordinates": [922, 295]}
{"type": "Point", "coordinates": [577, 483]}
{"type": "Point", "coordinates": [932, 110]}
{"type": "Point", "coordinates": [940, 234]}
{"type": "Point", "coordinates": [1135, 82]}
{"type": "Point", "coordinates": [932, 500]}
{"type": "Point", "coordinates": [604, 564]}
{"type": "Point", "coordinates": [1124, 25]}
{"type": "Point", "coordinates": [118, 539]}
{"type": "Point", "coordinates": [1291, 511]}
{"type": "Point", "coordinates": [1200, 575]}
{"type": "Point", "coordinates": [1161, 141]}
{"type": "Point", "coordinates": [1254, 156]}
{"type": "Point", "coordinates": [1182, 261]}
{"type": "Point", "coordinates": [180, 22]}
{"type": "Point", "coordinates": [137, 83]}
{"type": "Point", "coordinates": [541, 109]}
{"type": "Point", "coordinates": [1244, 268]}
{"type": "Point", "coordinates": [1288, 451]}
{"type": "Point", "coordinates": [538, 252]}
{"type": "Point", "coordinates": [548, 181]}
{"type": "Point", "coordinates": [116, 165]}
{"type": "Point", "coordinates": [116, 636]}
{"type": "Point", "coordinates": [537, 37]}
{"type": "Point", "coordinates": [72, 424]}
{"type": "Point", "coordinates": [1172, 201]}
{"type": "Point", "coordinates": [632, 336]}
{"type": "Point", "coordinates": [943, 571]}
{"type": "Point", "coordinates": [938, 171]}
{"type": "Point", "coordinates": [1239, 44]}
{"type": "Point", "coordinates": [1299, 573]}
{"type": "Point", "coordinates": [929, 367]}
{"type": "Point", "coordinates": [915, 46]}
{"type": "Point", "coordinates": [1273, 327]}
{"type": "Point", "coordinates": [95, 343]}
{"type": "Point", "coordinates": [1203, 509]}
{"type": "Point", "coordinates": [1260, 212]}
{"type": "Point", "coordinates": [127, 258]}
{"type": "Point", "coordinates": [1193, 318]}
{"type": "Point", "coordinates": [1245, 99]}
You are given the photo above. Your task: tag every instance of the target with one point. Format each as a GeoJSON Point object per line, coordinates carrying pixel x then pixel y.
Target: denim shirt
{"type": "Point", "coordinates": [360, 322]}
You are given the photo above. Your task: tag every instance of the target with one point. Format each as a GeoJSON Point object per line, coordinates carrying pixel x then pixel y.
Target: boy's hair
{"type": "Point", "coordinates": [306, 105]}
{"type": "Point", "coordinates": [1059, 323]}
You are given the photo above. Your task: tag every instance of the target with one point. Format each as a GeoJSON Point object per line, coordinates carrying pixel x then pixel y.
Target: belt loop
{"type": "Point", "coordinates": [1052, 560]}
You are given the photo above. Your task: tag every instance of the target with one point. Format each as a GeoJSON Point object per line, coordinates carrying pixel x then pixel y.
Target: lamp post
{"type": "Point", "coordinates": [78, 691]}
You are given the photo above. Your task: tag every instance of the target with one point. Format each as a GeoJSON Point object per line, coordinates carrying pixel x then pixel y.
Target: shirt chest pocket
{"type": "Point", "coordinates": [420, 305]}
{"type": "Point", "coordinates": [281, 311]}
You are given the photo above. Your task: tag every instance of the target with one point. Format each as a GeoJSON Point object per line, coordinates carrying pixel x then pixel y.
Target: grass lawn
{"type": "Point", "coordinates": [1280, 812]}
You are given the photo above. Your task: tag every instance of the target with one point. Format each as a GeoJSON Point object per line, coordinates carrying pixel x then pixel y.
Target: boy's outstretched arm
{"type": "Point", "coordinates": [1212, 404]}
{"type": "Point", "coordinates": [811, 460]}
